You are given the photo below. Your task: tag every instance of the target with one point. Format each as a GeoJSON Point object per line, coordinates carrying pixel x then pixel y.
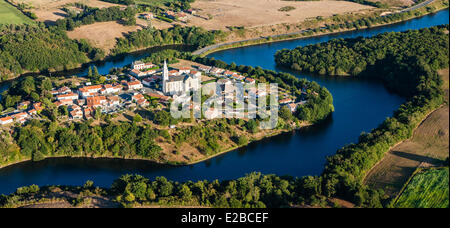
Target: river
{"type": "Point", "coordinates": [360, 105]}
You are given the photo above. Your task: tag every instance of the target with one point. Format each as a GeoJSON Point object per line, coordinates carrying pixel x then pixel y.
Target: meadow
{"type": "Point", "coordinates": [10, 15]}
{"type": "Point", "coordinates": [427, 189]}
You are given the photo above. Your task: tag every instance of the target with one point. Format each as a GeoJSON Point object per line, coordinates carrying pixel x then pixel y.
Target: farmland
{"type": "Point", "coordinates": [50, 10]}
{"type": "Point", "coordinates": [428, 146]}
{"type": "Point", "coordinates": [11, 15]}
{"type": "Point", "coordinates": [427, 189]}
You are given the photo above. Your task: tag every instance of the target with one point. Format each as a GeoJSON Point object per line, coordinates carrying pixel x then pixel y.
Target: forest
{"type": "Point", "coordinates": [90, 15]}
{"type": "Point", "coordinates": [255, 190]}
{"type": "Point", "coordinates": [40, 139]}
{"type": "Point", "coordinates": [252, 191]}
{"type": "Point", "coordinates": [40, 48]}
{"type": "Point", "coordinates": [36, 48]}
{"type": "Point", "coordinates": [366, 57]}
{"type": "Point", "coordinates": [193, 36]}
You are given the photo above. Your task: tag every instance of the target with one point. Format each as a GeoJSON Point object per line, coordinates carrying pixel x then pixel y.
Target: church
{"type": "Point", "coordinates": [179, 84]}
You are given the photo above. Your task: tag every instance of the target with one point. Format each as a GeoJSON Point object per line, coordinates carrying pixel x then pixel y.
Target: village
{"type": "Point", "coordinates": [169, 15]}
{"type": "Point", "coordinates": [146, 82]}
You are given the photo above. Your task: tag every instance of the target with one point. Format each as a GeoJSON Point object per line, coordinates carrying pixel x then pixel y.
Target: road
{"type": "Point", "coordinates": [417, 6]}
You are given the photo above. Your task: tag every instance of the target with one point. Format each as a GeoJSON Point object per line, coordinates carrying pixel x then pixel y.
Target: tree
{"type": "Point", "coordinates": [242, 140]}
{"type": "Point", "coordinates": [285, 113]}
{"type": "Point", "coordinates": [98, 113]}
{"type": "Point", "coordinates": [46, 84]}
{"type": "Point", "coordinates": [63, 110]}
{"type": "Point", "coordinates": [89, 74]}
{"type": "Point", "coordinates": [252, 126]}
{"type": "Point", "coordinates": [165, 188]}
{"type": "Point", "coordinates": [137, 118]}
{"type": "Point", "coordinates": [185, 193]}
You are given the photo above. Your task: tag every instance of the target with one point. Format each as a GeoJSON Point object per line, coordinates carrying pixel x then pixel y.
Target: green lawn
{"type": "Point", "coordinates": [10, 15]}
{"type": "Point", "coordinates": [427, 189]}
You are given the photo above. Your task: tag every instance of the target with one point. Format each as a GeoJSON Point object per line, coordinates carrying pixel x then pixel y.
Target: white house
{"type": "Point", "coordinates": [184, 70]}
{"type": "Point", "coordinates": [6, 120]}
{"type": "Point", "coordinates": [196, 73]}
{"type": "Point", "coordinates": [68, 96]}
{"type": "Point", "coordinates": [108, 88]}
{"type": "Point", "coordinates": [20, 117]}
{"type": "Point", "coordinates": [137, 73]}
{"type": "Point", "coordinates": [134, 85]}
{"type": "Point", "coordinates": [249, 80]}
{"type": "Point", "coordinates": [139, 65]}
{"type": "Point", "coordinates": [205, 69]}
{"type": "Point", "coordinates": [88, 91]}
{"type": "Point", "coordinates": [216, 71]}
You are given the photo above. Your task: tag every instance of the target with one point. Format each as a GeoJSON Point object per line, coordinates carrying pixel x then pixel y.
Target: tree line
{"type": "Point", "coordinates": [90, 15]}
{"type": "Point", "coordinates": [149, 37]}
{"type": "Point", "coordinates": [40, 139]}
{"type": "Point", "coordinates": [25, 48]}
{"type": "Point", "coordinates": [123, 2]}
{"type": "Point", "coordinates": [364, 57]}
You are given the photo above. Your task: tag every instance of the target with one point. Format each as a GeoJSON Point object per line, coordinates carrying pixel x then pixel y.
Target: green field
{"type": "Point", "coordinates": [427, 189]}
{"type": "Point", "coordinates": [10, 15]}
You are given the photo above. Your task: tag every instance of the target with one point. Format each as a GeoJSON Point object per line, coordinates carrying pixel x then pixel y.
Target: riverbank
{"type": "Point", "coordinates": [80, 68]}
{"type": "Point", "coordinates": [428, 146]}
{"type": "Point", "coordinates": [242, 146]}
{"type": "Point", "coordinates": [304, 33]}
{"type": "Point", "coordinates": [169, 162]}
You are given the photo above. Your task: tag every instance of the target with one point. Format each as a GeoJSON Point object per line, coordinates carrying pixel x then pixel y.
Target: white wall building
{"type": "Point", "coordinates": [179, 83]}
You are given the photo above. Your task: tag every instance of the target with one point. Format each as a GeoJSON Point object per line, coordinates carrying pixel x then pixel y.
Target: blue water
{"type": "Point", "coordinates": [360, 105]}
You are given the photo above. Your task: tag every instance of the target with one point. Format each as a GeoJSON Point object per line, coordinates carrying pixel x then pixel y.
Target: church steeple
{"type": "Point", "coordinates": [165, 71]}
{"type": "Point", "coordinates": [165, 77]}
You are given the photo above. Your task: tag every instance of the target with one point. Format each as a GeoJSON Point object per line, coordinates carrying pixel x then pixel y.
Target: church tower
{"type": "Point", "coordinates": [165, 77]}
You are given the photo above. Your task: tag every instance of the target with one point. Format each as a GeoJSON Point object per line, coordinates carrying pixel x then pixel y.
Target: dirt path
{"type": "Point", "coordinates": [428, 147]}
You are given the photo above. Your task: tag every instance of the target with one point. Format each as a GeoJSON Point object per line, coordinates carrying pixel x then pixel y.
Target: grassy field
{"type": "Point", "coordinates": [11, 15]}
{"type": "Point", "coordinates": [427, 189]}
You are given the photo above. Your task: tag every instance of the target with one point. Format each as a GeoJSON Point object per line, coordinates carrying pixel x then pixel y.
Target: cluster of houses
{"type": "Point", "coordinates": [222, 73]}
{"type": "Point", "coordinates": [84, 101]}
{"type": "Point", "coordinates": [182, 16]}
{"type": "Point", "coordinates": [27, 112]}
{"type": "Point", "coordinates": [109, 98]}
{"type": "Point", "coordinates": [175, 82]}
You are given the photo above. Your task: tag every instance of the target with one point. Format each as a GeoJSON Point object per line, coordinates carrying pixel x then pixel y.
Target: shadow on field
{"type": "Point", "coordinates": [416, 157]}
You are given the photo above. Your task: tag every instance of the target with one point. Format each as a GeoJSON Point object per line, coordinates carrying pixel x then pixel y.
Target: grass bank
{"type": "Point", "coordinates": [11, 15]}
